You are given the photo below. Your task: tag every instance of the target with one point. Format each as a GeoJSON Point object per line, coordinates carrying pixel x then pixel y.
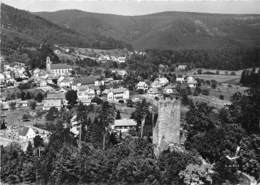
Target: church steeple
{"type": "Point", "coordinates": [48, 63]}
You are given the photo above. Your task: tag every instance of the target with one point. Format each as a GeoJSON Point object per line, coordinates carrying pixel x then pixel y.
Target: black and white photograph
{"type": "Point", "coordinates": [130, 92]}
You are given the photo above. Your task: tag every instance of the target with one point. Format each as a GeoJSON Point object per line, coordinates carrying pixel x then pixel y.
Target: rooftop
{"type": "Point", "coordinates": [125, 122]}
{"type": "Point", "coordinates": [60, 66]}
{"type": "Point", "coordinates": [55, 95]}
{"type": "Point", "coordinates": [23, 131]}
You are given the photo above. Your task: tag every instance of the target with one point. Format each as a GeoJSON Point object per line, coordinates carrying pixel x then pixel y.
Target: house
{"type": "Point", "coordinates": [86, 80]}
{"type": "Point", "coordinates": [124, 125]}
{"type": "Point", "coordinates": [180, 79]}
{"type": "Point", "coordinates": [120, 72]}
{"type": "Point", "coordinates": [47, 104]}
{"type": "Point", "coordinates": [159, 82]}
{"type": "Point", "coordinates": [98, 83]}
{"type": "Point", "coordinates": [65, 81]}
{"type": "Point", "coordinates": [163, 81]}
{"type": "Point", "coordinates": [43, 83]}
{"type": "Point", "coordinates": [142, 86]}
{"type": "Point", "coordinates": [156, 84]}
{"type": "Point", "coordinates": [57, 69]}
{"type": "Point", "coordinates": [121, 59]}
{"type": "Point", "coordinates": [153, 92]}
{"type": "Point", "coordinates": [191, 82]}
{"type": "Point", "coordinates": [54, 99]}
{"type": "Point", "coordinates": [85, 94]}
{"type": "Point", "coordinates": [118, 94]}
{"type": "Point", "coordinates": [181, 67]}
{"type": "Point", "coordinates": [108, 80]}
{"type": "Point", "coordinates": [169, 89]}
{"type": "Point", "coordinates": [26, 133]}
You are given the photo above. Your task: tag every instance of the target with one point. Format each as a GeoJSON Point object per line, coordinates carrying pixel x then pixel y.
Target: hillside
{"type": "Point", "coordinates": [167, 30]}
{"type": "Point", "coordinates": [22, 28]}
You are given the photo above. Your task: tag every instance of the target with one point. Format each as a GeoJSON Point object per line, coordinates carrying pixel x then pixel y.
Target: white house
{"type": "Point", "coordinates": [43, 83]}
{"type": "Point", "coordinates": [142, 85]}
{"type": "Point", "coordinates": [191, 82]}
{"type": "Point", "coordinates": [156, 84]}
{"type": "Point", "coordinates": [26, 133]}
{"type": "Point", "coordinates": [182, 67]}
{"type": "Point", "coordinates": [54, 99]}
{"type": "Point", "coordinates": [169, 89]}
{"type": "Point", "coordinates": [2, 78]}
{"type": "Point", "coordinates": [180, 79]}
{"type": "Point", "coordinates": [65, 81]}
{"type": "Point", "coordinates": [85, 94]}
{"type": "Point", "coordinates": [57, 69]}
{"type": "Point", "coordinates": [121, 59]}
{"type": "Point", "coordinates": [124, 125]}
{"type": "Point", "coordinates": [118, 94]}
{"type": "Point", "coordinates": [159, 82]}
{"type": "Point", "coordinates": [98, 83]}
{"type": "Point", "coordinates": [153, 92]}
{"type": "Point", "coordinates": [163, 81]}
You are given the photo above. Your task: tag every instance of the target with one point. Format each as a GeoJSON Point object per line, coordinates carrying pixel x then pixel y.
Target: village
{"type": "Point", "coordinates": [27, 94]}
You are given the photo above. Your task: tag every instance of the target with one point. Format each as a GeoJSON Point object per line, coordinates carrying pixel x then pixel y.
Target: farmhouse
{"type": "Point", "coordinates": [85, 94]}
{"type": "Point", "coordinates": [142, 86]}
{"type": "Point", "coordinates": [118, 94]}
{"type": "Point", "coordinates": [54, 99]}
{"type": "Point", "coordinates": [191, 82]}
{"type": "Point", "coordinates": [26, 133]}
{"type": "Point", "coordinates": [124, 125]}
{"type": "Point", "coordinates": [181, 67]}
{"type": "Point", "coordinates": [153, 92]}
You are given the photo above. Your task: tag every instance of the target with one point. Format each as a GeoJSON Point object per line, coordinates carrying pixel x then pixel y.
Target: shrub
{"type": "Point", "coordinates": [205, 92]}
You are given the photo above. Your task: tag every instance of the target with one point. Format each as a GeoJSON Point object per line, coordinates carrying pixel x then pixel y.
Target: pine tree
{"type": "Point", "coordinates": [118, 115]}
{"type": "Point", "coordinates": [29, 150]}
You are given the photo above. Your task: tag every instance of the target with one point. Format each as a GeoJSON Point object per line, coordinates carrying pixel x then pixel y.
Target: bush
{"type": "Point", "coordinates": [221, 97]}
{"type": "Point", "coordinates": [205, 92]}
{"type": "Point", "coordinates": [26, 117]}
{"type": "Point", "coordinates": [121, 101]}
{"type": "Point", "coordinates": [12, 105]}
{"type": "Point", "coordinates": [32, 105]}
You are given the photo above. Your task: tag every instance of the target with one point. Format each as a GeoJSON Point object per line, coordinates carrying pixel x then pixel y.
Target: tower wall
{"type": "Point", "coordinates": [167, 128]}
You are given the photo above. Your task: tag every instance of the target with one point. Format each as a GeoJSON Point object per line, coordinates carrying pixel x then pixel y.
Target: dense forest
{"type": "Point", "coordinates": [226, 58]}
{"type": "Point", "coordinates": [217, 136]}
{"type": "Point", "coordinates": [250, 77]}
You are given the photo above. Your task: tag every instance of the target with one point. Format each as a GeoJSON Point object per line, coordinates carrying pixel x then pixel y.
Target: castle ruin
{"type": "Point", "coordinates": [166, 130]}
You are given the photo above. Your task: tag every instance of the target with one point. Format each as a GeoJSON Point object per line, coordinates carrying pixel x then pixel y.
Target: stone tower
{"type": "Point", "coordinates": [48, 63]}
{"type": "Point", "coordinates": [167, 128]}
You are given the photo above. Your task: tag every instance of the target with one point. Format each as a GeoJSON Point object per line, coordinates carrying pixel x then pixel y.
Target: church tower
{"type": "Point", "coordinates": [48, 63]}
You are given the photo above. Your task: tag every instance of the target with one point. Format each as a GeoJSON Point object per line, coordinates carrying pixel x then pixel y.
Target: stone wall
{"type": "Point", "coordinates": [167, 128]}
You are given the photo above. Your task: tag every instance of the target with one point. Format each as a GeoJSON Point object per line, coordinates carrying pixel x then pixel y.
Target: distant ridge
{"type": "Point", "coordinates": [22, 28]}
{"type": "Point", "coordinates": [166, 30]}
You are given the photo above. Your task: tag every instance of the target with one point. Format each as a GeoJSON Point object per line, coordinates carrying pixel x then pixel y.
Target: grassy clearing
{"type": "Point", "coordinates": [14, 117]}
{"type": "Point", "coordinates": [218, 78]}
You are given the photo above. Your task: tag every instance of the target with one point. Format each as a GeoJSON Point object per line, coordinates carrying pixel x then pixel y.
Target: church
{"type": "Point", "coordinates": [57, 69]}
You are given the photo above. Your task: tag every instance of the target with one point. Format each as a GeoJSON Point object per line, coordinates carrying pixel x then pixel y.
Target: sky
{"type": "Point", "coordinates": [140, 7]}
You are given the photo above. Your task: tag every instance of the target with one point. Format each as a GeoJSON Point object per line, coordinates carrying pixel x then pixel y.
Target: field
{"type": "Point", "coordinates": [14, 117]}
{"type": "Point", "coordinates": [211, 100]}
{"type": "Point", "coordinates": [219, 78]}
{"type": "Point", "coordinates": [226, 91]}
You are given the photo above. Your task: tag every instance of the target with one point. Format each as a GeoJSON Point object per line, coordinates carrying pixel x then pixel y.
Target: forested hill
{"type": "Point", "coordinates": [22, 28]}
{"type": "Point", "coordinates": [166, 30]}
